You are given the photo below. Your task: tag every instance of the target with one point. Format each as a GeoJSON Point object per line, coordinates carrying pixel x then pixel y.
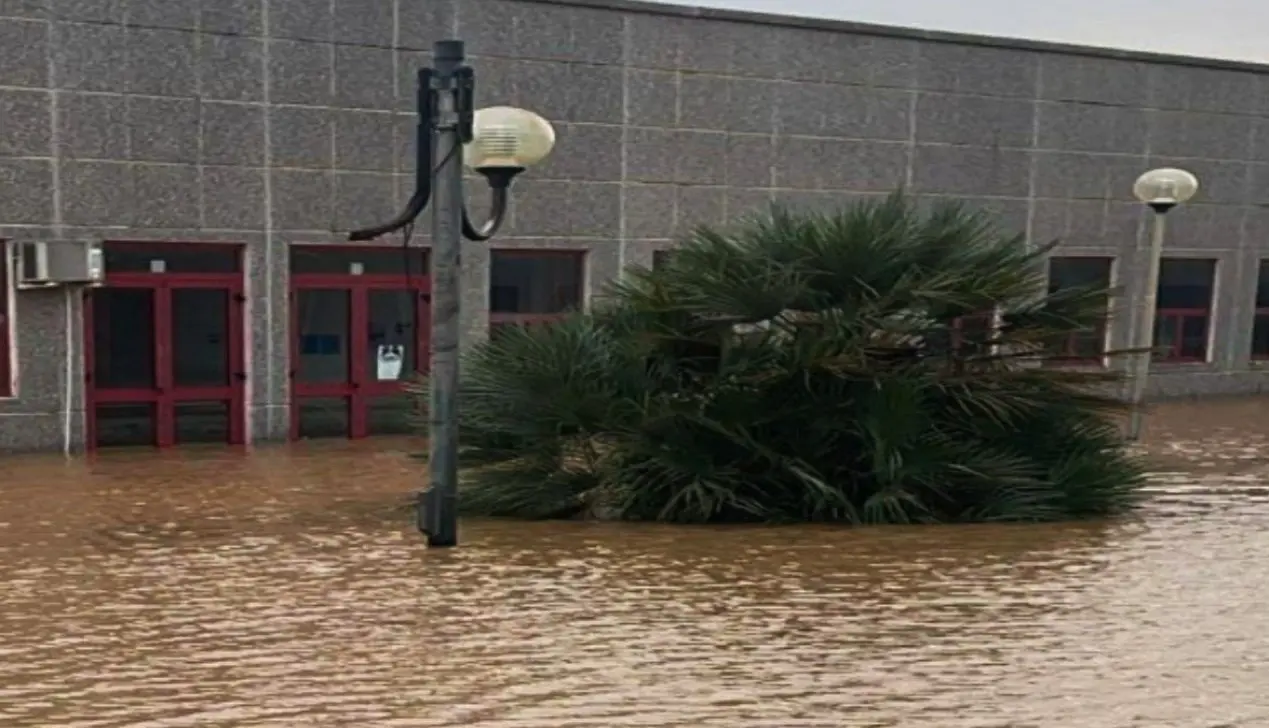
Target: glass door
{"type": "Point", "coordinates": [354, 351]}
{"type": "Point", "coordinates": [164, 352]}
{"type": "Point", "coordinates": [166, 364]}
{"type": "Point", "coordinates": [358, 336]}
{"type": "Point", "coordinates": [321, 359]}
{"type": "Point", "coordinates": [395, 353]}
{"type": "Point", "coordinates": [122, 375]}
{"type": "Point", "coordinates": [205, 399]}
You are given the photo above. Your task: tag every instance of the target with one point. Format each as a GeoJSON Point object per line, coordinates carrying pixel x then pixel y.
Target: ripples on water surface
{"type": "Point", "coordinates": [286, 589]}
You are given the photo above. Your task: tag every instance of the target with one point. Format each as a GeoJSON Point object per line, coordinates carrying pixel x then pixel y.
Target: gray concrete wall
{"type": "Point", "coordinates": [270, 122]}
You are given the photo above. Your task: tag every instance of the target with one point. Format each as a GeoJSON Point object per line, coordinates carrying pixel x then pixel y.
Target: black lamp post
{"type": "Point", "coordinates": [500, 143]}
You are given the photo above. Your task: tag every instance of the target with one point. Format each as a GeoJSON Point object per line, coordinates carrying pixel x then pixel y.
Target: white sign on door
{"type": "Point", "coordinates": [389, 359]}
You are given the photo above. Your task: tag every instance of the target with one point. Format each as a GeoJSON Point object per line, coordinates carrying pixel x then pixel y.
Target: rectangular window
{"type": "Point", "coordinates": [972, 335]}
{"type": "Point", "coordinates": [353, 260]}
{"type": "Point", "coordinates": [1082, 272]}
{"type": "Point", "coordinates": [660, 258]}
{"type": "Point", "coordinates": [6, 323]}
{"type": "Point", "coordinates": [129, 257]}
{"type": "Point", "coordinates": [1184, 309]}
{"type": "Point", "coordinates": [1260, 330]}
{"type": "Point", "coordinates": [533, 286]}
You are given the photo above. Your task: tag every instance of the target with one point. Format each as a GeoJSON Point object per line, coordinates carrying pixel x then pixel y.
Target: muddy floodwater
{"type": "Point", "coordinates": [286, 588]}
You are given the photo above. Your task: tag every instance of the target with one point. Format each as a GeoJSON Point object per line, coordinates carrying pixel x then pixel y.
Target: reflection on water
{"type": "Point", "coordinates": [286, 589]}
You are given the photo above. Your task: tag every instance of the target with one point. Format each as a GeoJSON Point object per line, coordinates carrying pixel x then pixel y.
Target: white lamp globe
{"type": "Point", "coordinates": [1165, 187]}
{"type": "Point", "coordinates": [507, 138]}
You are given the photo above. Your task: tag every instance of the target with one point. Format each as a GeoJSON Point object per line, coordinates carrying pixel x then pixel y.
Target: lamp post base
{"type": "Point", "coordinates": [437, 518]}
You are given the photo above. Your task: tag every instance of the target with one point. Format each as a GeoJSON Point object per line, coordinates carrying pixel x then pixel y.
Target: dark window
{"type": "Point", "coordinates": [329, 259]}
{"type": "Point", "coordinates": [1260, 331]}
{"type": "Point", "coordinates": [1089, 273]}
{"type": "Point", "coordinates": [6, 328]}
{"type": "Point", "coordinates": [1184, 309]}
{"type": "Point", "coordinates": [528, 287]}
{"type": "Point", "coordinates": [172, 258]}
{"type": "Point", "coordinates": [967, 336]}
{"type": "Point", "coordinates": [660, 258]}
{"type": "Point", "coordinates": [972, 330]}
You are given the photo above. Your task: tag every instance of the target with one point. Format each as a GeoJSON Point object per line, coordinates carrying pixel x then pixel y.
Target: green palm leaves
{"type": "Point", "coordinates": [879, 365]}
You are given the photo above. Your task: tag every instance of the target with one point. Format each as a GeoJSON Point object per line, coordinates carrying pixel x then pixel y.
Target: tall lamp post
{"type": "Point", "coordinates": [1161, 190]}
{"type": "Point", "coordinates": [498, 143]}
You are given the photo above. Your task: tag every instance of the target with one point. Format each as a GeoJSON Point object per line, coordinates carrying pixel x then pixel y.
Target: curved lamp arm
{"type": "Point", "coordinates": [499, 179]}
{"type": "Point", "coordinates": [497, 213]}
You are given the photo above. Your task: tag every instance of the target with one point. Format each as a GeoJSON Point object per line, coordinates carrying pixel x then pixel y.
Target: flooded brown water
{"type": "Point", "coordinates": [287, 589]}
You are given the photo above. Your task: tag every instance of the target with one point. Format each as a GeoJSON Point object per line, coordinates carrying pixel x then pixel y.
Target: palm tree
{"type": "Point", "coordinates": [877, 365]}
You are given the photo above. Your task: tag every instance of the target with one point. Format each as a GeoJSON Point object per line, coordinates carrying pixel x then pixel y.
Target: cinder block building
{"type": "Point", "coordinates": [217, 150]}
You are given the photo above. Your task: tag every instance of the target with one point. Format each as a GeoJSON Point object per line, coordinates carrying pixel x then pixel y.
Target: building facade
{"type": "Point", "coordinates": [219, 147]}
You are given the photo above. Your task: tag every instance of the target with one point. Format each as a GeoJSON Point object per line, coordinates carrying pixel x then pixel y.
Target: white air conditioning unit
{"type": "Point", "coordinates": [47, 264]}
{"type": "Point", "coordinates": [76, 262]}
{"type": "Point", "coordinates": [30, 266]}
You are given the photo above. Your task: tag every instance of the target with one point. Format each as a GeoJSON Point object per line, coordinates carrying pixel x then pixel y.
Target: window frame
{"type": "Point", "coordinates": [497, 319]}
{"type": "Point", "coordinates": [1067, 354]}
{"type": "Point", "coordinates": [415, 260]}
{"type": "Point", "coordinates": [661, 258]}
{"type": "Point", "coordinates": [1259, 312]}
{"type": "Point", "coordinates": [1257, 316]}
{"type": "Point", "coordinates": [8, 304]}
{"type": "Point", "coordinates": [992, 321]}
{"type": "Point", "coordinates": [1181, 314]}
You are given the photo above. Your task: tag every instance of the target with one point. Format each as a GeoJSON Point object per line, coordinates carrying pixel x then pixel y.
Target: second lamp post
{"type": "Point", "coordinates": [1161, 190]}
{"type": "Point", "coordinates": [498, 143]}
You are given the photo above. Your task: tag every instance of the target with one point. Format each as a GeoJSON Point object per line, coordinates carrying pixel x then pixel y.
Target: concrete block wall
{"type": "Point", "coordinates": [270, 122]}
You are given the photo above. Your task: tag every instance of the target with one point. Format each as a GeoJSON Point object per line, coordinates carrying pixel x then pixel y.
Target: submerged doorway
{"type": "Point", "coordinates": [164, 359]}
{"type": "Point", "coordinates": [359, 329]}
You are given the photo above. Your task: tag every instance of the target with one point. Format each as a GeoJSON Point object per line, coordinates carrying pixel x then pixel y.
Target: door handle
{"type": "Point", "coordinates": [240, 376]}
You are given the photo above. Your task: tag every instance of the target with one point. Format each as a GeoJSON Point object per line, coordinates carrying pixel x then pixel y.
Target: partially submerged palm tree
{"type": "Point", "coordinates": [805, 368]}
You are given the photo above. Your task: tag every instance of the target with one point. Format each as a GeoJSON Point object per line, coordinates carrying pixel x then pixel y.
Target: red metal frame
{"type": "Point", "coordinates": [6, 327]}
{"type": "Point", "coordinates": [360, 386]}
{"type": "Point", "coordinates": [1262, 314]}
{"type": "Point", "coordinates": [1173, 353]}
{"type": "Point", "coordinates": [165, 395]}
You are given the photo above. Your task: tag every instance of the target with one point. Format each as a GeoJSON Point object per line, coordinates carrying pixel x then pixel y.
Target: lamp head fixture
{"type": "Point", "coordinates": [506, 141]}
{"type": "Point", "coordinates": [1165, 188]}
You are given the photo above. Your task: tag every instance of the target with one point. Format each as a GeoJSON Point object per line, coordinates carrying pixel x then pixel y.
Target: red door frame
{"type": "Point", "coordinates": [359, 388]}
{"type": "Point", "coordinates": [165, 395]}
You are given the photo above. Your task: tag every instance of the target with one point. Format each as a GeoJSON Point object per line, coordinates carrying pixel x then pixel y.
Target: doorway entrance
{"type": "Point", "coordinates": [164, 359]}
{"type": "Point", "coordinates": [360, 318]}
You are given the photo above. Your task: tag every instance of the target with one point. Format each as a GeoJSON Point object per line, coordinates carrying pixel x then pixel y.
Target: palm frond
{"type": "Point", "coordinates": [806, 367]}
